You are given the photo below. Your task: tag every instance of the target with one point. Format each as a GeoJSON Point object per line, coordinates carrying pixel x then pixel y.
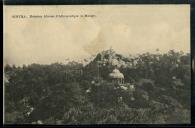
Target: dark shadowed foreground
{"type": "Point", "coordinates": [148, 88]}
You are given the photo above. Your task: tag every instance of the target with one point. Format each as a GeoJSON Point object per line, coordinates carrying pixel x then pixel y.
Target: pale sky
{"type": "Point", "coordinates": [128, 29]}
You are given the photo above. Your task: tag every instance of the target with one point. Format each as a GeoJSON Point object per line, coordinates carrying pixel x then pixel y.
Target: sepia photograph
{"type": "Point", "coordinates": [97, 64]}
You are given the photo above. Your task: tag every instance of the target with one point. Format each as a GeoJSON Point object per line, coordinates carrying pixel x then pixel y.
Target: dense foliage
{"type": "Point", "coordinates": [45, 94]}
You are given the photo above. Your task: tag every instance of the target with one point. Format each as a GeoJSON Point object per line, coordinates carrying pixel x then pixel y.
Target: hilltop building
{"type": "Point", "coordinates": [116, 76]}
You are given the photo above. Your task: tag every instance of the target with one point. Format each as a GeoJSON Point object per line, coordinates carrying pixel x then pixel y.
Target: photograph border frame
{"type": "Point", "coordinates": [124, 2]}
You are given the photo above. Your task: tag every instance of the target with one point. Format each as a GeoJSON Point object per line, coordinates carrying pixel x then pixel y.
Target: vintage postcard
{"type": "Point", "coordinates": [97, 64]}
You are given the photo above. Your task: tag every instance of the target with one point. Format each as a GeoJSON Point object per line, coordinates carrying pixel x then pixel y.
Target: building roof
{"type": "Point", "coordinates": [116, 74]}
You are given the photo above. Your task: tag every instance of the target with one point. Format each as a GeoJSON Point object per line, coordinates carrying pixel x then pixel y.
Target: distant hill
{"type": "Point", "coordinates": [111, 58]}
{"type": "Point", "coordinates": [105, 62]}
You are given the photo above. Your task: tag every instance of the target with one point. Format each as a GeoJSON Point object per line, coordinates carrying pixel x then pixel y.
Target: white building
{"type": "Point", "coordinates": [116, 76]}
